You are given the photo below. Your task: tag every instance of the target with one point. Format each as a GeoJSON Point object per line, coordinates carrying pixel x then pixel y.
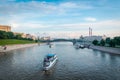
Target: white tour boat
{"type": "Point", "coordinates": [49, 61]}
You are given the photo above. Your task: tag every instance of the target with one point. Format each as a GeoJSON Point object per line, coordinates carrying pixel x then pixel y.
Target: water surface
{"type": "Point", "coordinates": [73, 64]}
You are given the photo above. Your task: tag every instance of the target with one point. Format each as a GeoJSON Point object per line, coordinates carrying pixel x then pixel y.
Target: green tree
{"type": "Point", "coordinates": [18, 36]}
{"type": "Point", "coordinates": [10, 35]}
{"type": "Point", "coordinates": [102, 42]}
{"type": "Point", "coordinates": [107, 40]}
{"type": "Point", "coordinates": [3, 35]}
{"type": "Point", "coordinates": [95, 42]}
{"type": "Point", "coordinates": [117, 40]}
{"type": "Point", "coordinates": [112, 43]}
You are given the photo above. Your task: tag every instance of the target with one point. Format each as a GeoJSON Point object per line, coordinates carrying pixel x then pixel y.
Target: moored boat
{"type": "Point", "coordinates": [49, 61]}
{"type": "Point", "coordinates": [50, 45]}
{"type": "Point", "coordinates": [81, 46]}
{"type": "Point", "coordinates": [77, 45]}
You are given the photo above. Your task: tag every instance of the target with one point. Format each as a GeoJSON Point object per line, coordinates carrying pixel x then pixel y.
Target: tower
{"type": "Point", "coordinates": [90, 31]}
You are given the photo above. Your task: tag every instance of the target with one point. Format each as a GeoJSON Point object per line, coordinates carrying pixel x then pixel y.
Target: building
{"type": "Point", "coordinates": [23, 35]}
{"type": "Point", "coordinates": [92, 38]}
{"type": "Point", "coordinates": [104, 37]}
{"type": "Point", "coordinates": [5, 28]}
{"type": "Point", "coordinates": [28, 36]}
{"type": "Point", "coordinates": [46, 38]}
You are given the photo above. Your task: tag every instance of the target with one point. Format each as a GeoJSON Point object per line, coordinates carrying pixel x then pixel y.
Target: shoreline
{"type": "Point", "coordinates": [16, 46]}
{"type": "Point", "coordinates": [106, 49]}
{"type": "Point", "coordinates": [19, 46]}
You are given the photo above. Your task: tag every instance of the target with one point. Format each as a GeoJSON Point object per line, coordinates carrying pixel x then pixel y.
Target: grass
{"type": "Point", "coordinates": [14, 41]}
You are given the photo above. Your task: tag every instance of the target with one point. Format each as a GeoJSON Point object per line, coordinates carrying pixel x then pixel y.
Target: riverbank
{"type": "Point", "coordinates": [17, 46]}
{"type": "Point", "coordinates": [106, 49]}
{"type": "Point", "coordinates": [14, 42]}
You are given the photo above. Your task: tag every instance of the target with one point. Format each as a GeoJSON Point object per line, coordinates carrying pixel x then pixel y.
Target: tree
{"type": "Point", "coordinates": [95, 42]}
{"type": "Point", "coordinates": [3, 35]}
{"type": "Point", "coordinates": [117, 40]}
{"type": "Point", "coordinates": [102, 42]}
{"type": "Point", "coordinates": [18, 36]}
{"type": "Point", "coordinates": [10, 35]}
{"type": "Point", "coordinates": [107, 40]}
{"type": "Point", "coordinates": [112, 43]}
{"type": "Point", "coordinates": [6, 35]}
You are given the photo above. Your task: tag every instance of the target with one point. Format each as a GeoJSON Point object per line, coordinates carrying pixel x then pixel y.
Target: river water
{"type": "Point", "coordinates": [73, 64]}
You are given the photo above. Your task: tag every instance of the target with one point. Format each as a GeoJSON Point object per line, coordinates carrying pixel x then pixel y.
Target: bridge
{"type": "Point", "coordinates": [62, 40]}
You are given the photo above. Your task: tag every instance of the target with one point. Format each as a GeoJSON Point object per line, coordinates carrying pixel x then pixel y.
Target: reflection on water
{"type": "Point", "coordinates": [80, 64]}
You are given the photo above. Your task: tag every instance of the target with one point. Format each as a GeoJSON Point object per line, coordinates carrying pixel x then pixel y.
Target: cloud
{"type": "Point", "coordinates": [27, 27]}
{"type": "Point", "coordinates": [108, 27]}
{"type": "Point", "coordinates": [105, 23]}
{"type": "Point", "coordinates": [108, 24]}
{"type": "Point", "coordinates": [68, 5]}
{"type": "Point", "coordinates": [24, 7]}
{"type": "Point", "coordinates": [71, 15]}
{"type": "Point", "coordinates": [90, 19]}
{"type": "Point", "coordinates": [40, 7]}
{"type": "Point", "coordinates": [96, 26]}
{"type": "Point", "coordinates": [74, 5]}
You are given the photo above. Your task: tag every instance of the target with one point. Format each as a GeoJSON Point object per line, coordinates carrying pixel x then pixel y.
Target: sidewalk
{"type": "Point", "coordinates": [106, 49]}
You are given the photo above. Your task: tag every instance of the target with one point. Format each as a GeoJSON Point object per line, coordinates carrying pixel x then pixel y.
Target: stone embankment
{"type": "Point", "coordinates": [13, 47]}
{"type": "Point", "coordinates": [106, 49]}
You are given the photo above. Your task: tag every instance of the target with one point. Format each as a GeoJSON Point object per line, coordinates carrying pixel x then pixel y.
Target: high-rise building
{"type": "Point", "coordinates": [5, 28]}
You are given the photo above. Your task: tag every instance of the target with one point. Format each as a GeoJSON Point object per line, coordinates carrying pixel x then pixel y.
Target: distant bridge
{"type": "Point", "coordinates": [62, 40]}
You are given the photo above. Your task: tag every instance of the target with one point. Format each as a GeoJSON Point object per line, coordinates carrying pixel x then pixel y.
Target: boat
{"type": "Point", "coordinates": [50, 45]}
{"type": "Point", "coordinates": [81, 46]}
{"type": "Point", "coordinates": [77, 45]}
{"type": "Point", "coordinates": [49, 61]}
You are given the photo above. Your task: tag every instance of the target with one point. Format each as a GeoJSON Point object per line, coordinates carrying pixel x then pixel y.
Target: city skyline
{"type": "Point", "coordinates": [62, 16]}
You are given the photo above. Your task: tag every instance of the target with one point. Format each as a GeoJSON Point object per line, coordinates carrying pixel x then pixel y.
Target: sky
{"type": "Point", "coordinates": [64, 18]}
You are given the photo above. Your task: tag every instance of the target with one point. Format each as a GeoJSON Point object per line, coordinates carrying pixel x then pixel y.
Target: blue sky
{"type": "Point", "coordinates": [69, 17]}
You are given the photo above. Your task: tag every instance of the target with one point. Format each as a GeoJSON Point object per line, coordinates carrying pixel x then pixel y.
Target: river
{"type": "Point", "coordinates": [73, 64]}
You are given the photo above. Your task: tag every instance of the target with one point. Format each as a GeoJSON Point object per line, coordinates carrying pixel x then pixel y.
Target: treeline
{"type": "Point", "coordinates": [108, 42]}
{"type": "Point", "coordinates": [11, 35]}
